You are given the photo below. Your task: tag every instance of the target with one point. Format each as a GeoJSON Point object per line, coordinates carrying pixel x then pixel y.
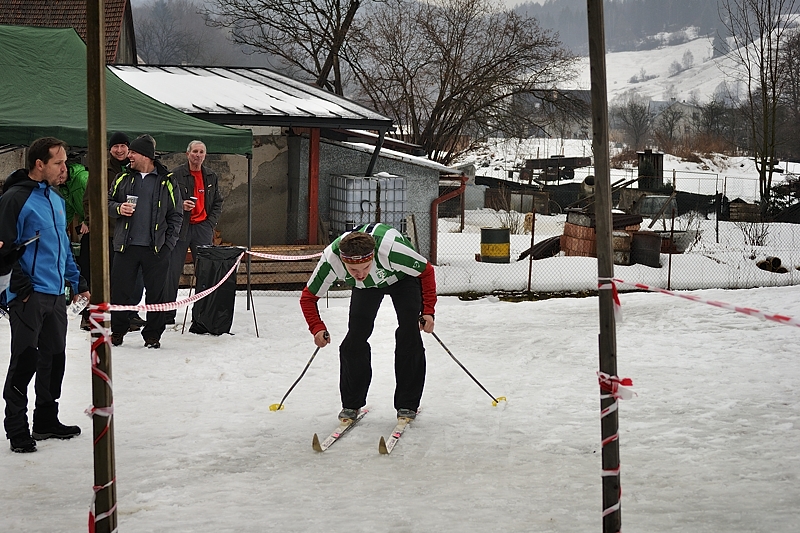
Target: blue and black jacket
{"type": "Point", "coordinates": [29, 208]}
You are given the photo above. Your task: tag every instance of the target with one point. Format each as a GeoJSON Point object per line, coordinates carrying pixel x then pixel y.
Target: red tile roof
{"type": "Point", "coordinates": [65, 14]}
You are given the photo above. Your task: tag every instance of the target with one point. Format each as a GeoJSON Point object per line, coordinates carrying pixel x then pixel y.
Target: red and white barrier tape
{"type": "Point", "coordinates": [608, 284]}
{"type": "Point", "coordinates": [179, 303]}
{"type": "Point", "coordinates": [98, 316]}
{"type": "Point", "coordinates": [617, 388]}
{"type": "Point", "coordinates": [285, 257]}
{"type": "Point", "coordinates": [781, 319]}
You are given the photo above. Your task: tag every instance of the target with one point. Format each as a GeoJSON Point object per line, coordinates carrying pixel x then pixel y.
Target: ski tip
{"type": "Point", "coordinates": [382, 447]}
{"type": "Point", "coordinates": [315, 444]}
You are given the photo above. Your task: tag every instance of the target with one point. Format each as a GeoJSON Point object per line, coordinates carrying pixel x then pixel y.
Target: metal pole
{"type": "Point", "coordinates": [249, 221]}
{"type": "Point", "coordinates": [102, 397]}
{"type": "Point", "coordinates": [609, 423]}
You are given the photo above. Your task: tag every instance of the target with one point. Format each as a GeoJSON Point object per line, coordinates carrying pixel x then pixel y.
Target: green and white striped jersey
{"type": "Point", "coordinates": [394, 259]}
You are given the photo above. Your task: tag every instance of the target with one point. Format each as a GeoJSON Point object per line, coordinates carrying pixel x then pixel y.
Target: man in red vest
{"type": "Point", "coordinates": [202, 206]}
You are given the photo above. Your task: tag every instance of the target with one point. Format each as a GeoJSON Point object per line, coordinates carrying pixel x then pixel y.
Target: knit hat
{"type": "Point", "coordinates": [144, 145]}
{"type": "Point", "coordinates": [118, 138]}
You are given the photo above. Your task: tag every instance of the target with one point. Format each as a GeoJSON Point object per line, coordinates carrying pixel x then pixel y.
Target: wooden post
{"type": "Point", "coordinates": [313, 185]}
{"type": "Point", "coordinates": [102, 398]}
{"type": "Point", "coordinates": [609, 424]}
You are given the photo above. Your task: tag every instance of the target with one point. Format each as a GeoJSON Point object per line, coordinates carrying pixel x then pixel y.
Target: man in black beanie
{"type": "Point", "coordinates": [146, 203]}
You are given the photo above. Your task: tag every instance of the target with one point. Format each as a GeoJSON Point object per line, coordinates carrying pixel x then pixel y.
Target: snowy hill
{"type": "Point", "coordinates": [701, 79]}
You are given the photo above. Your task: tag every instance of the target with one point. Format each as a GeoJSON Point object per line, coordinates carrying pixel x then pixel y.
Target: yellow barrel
{"type": "Point", "coordinates": [495, 245]}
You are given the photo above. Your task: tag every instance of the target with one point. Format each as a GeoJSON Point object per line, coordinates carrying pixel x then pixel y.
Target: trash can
{"type": "Point", "coordinates": [214, 313]}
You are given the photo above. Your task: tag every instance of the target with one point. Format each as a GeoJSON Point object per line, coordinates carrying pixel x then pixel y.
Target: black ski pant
{"type": "Point", "coordinates": [154, 268]}
{"type": "Point", "coordinates": [38, 346]}
{"type": "Point", "coordinates": [355, 356]}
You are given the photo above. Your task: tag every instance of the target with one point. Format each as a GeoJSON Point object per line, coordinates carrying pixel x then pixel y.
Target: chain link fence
{"type": "Point", "coordinates": [702, 246]}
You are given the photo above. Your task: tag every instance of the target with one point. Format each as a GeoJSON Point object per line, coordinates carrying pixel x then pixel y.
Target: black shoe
{"type": "Point", "coordinates": [136, 323]}
{"type": "Point", "coordinates": [153, 343]}
{"type": "Point", "coordinates": [116, 338]}
{"type": "Point", "coordinates": [55, 431]}
{"type": "Point", "coordinates": [407, 413]}
{"type": "Point", "coordinates": [23, 444]}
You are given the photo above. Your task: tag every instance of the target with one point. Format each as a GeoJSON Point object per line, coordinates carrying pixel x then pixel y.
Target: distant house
{"type": "Point", "coordinates": [677, 120]}
{"type": "Point", "coordinates": [120, 39]}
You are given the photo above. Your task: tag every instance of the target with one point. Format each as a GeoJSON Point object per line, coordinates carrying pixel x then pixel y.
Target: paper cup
{"type": "Point", "coordinates": [132, 199]}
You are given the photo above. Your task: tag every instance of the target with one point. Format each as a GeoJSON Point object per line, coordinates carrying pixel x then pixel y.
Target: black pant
{"type": "Point", "coordinates": [38, 345]}
{"type": "Point", "coordinates": [201, 234]}
{"type": "Point", "coordinates": [123, 276]}
{"type": "Point", "coordinates": [355, 370]}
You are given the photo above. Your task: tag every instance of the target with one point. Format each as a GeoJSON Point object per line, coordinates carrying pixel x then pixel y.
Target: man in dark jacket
{"type": "Point", "coordinates": [31, 207]}
{"type": "Point", "coordinates": [145, 201]}
{"type": "Point", "coordinates": [202, 206]}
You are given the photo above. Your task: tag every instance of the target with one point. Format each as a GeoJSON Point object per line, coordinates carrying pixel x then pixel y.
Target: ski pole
{"type": "Point", "coordinates": [494, 400]}
{"type": "Point", "coordinates": [279, 406]}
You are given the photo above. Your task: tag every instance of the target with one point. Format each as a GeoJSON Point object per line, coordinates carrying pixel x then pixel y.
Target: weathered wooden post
{"type": "Point", "coordinates": [105, 515]}
{"type": "Point", "coordinates": [609, 421]}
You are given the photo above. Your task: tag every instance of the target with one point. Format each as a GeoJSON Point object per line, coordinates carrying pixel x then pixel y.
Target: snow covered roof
{"type": "Point", "coordinates": [248, 97]}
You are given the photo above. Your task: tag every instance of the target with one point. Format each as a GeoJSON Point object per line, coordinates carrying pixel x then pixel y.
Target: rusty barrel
{"type": "Point", "coordinates": [621, 243]}
{"type": "Point", "coordinates": [495, 245]}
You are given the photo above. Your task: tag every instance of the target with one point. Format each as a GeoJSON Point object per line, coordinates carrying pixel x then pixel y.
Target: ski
{"type": "Point", "coordinates": [385, 447]}
{"type": "Point", "coordinates": [343, 428]}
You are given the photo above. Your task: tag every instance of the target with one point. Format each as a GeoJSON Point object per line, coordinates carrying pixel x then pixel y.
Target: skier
{"type": "Point", "coordinates": [375, 260]}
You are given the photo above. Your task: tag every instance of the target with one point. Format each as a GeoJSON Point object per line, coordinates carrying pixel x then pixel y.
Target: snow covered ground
{"type": "Point", "coordinates": [709, 444]}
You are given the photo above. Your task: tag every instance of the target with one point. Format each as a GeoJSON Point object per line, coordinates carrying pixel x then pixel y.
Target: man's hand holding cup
{"type": "Point", "coordinates": [129, 206]}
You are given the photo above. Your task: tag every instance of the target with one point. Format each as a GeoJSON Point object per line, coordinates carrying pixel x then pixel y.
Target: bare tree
{"type": "Point", "coordinates": [171, 32]}
{"type": "Point", "coordinates": [306, 35]}
{"type": "Point", "coordinates": [790, 96]}
{"type": "Point", "coordinates": [668, 124]}
{"type": "Point", "coordinates": [447, 71]}
{"type": "Point", "coordinates": [632, 112]}
{"type": "Point", "coordinates": [759, 29]}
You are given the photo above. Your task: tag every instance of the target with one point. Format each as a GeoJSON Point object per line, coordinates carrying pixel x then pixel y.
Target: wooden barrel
{"type": "Point", "coordinates": [495, 245]}
{"type": "Point", "coordinates": [646, 249]}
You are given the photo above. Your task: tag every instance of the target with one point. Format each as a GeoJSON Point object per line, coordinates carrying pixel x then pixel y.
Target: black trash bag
{"type": "Point", "coordinates": [214, 313]}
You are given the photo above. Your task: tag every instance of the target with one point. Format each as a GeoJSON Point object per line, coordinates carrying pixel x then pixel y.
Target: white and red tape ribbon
{"type": "Point", "coordinates": [618, 389]}
{"type": "Point", "coordinates": [780, 319]}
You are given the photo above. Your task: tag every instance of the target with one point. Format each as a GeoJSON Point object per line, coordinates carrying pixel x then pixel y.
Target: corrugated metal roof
{"type": "Point", "coordinates": [249, 97]}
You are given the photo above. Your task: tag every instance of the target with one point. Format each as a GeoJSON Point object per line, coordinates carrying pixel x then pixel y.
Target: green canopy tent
{"type": "Point", "coordinates": [43, 88]}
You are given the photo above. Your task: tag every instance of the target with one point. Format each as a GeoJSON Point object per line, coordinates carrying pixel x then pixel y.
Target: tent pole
{"type": "Point", "coordinates": [609, 420]}
{"type": "Point", "coordinates": [249, 222]}
{"type": "Point", "coordinates": [102, 397]}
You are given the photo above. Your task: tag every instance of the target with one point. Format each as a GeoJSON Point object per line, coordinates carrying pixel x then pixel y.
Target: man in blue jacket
{"type": "Point", "coordinates": [31, 206]}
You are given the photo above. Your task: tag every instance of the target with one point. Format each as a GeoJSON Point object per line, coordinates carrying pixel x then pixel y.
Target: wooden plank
{"type": "Point", "coordinates": [261, 279]}
{"type": "Point", "coordinates": [266, 267]}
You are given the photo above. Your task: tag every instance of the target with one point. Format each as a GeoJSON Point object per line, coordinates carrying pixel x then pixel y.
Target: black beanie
{"type": "Point", "coordinates": [118, 138]}
{"type": "Point", "coordinates": [144, 145]}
